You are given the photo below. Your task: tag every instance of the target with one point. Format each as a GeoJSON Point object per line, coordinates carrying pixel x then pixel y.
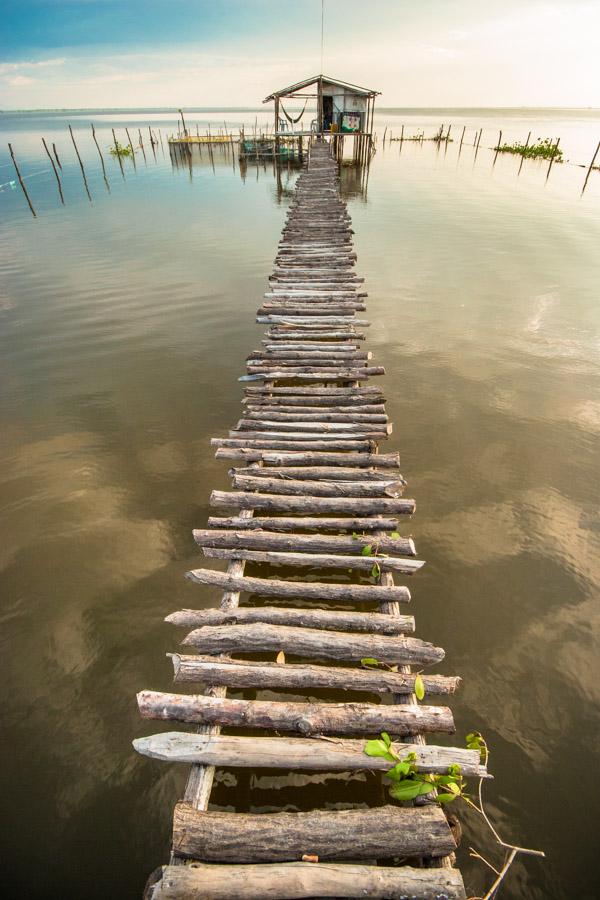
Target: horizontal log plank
{"type": "Point", "coordinates": [310, 444]}
{"type": "Point", "coordinates": [292, 881]}
{"type": "Point", "coordinates": [380, 833]}
{"type": "Point", "coordinates": [306, 523]}
{"type": "Point", "coordinates": [300, 457]}
{"type": "Point", "coordinates": [309, 754]}
{"type": "Point", "coordinates": [371, 430]}
{"type": "Point", "coordinates": [306, 590]}
{"type": "Point", "coordinates": [306, 718]}
{"type": "Point", "coordinates": [251, 674]}
{"type": "Point", "coordinates": [283, 502]}
{"type": "Point", "coordinates": [318, 561]}
{"type": "Point", "coordinates": [315, 473]}
{"type": "Point", "coordinates": [261, 637]}
{"type": "Point", "coordinates": [366, 390]}
{"type": "Point", "coordinates": [327, 619]}
{"type": "Point", "coordinates": [364, 488]}
{"type": "Point", "coordinates": [254, 539]}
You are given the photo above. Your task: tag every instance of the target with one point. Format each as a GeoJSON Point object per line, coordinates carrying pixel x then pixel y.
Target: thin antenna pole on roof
{"type": "Point", "coordinates": [322, 23]}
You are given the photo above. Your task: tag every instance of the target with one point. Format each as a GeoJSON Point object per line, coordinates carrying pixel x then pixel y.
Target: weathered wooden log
{"type": "Point", "coordinates": [307, 523]}
{"type": "Point", "coordinates": [302, 457]}
{"type": "Point", "coordinates": [302, 351]}
{"type": "Point", "coordinates": [323, 374]}
{"type": "Point", "coordinates": [382, 488]}
{"type": "Point", "coordinates": [319, 561]}
{"type": "Point", "coordinates": [308, 444]}
{"type": "Point", "coordinates": [252, 674]}
{"type": "Point", "coordinates": [327, 619]}
{"type": "Point", "coordinates": [374, 431]}
{"type": "Point", "coordinates": [285, 503]}
{"type": "Point", "coordinates": [306, 718]}
{"type": "Point", "coordinates": [315, 473]}
{"type": "Point", "coordinates": [260, 637]}
{"type": "Point", "coordinates": [350, 417]}
{"type": "Point", "coordinates": [306, 590]}
{"type": "Point", "coordinates": [254, 539]}
{"type": "Point", "coordinates": [299, 309]}
{"type": "Point", "coordinates": [312, 754]}
{"type": "Point", "coordinates": [380, 833]}
{"type": "Point", "coordinates": [284, 333]}
{"type": "Point", "coordinates": [291, 881]}
{"type": "Point", "coordinates": [332, 436]}
{"type": "Point", "coordinates": [298, 391]}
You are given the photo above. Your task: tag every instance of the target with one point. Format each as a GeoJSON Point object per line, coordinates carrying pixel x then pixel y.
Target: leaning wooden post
{"type": "Point", "coordinates": [56, 156]}
{"type": "Point", "coordinates": [142, 145]}
{"type": "Point", "coordinates": [552, 158]}
{"type": "Point", "coordinates": [22, 183]}
{"type": "Point", "coordinates": [117, 152]}
{"type": "Point", "coordinates": [462, 137]}
{"type": "Point", "coordinates": [131, 147]}
{"type": "Point", "coordinates": [62, 199]}
{"type": "Point", "coordinates": [402, 135]}
{"type": "Point", "coordinates": [87, 190]}
{"type": "Point", "coordinates": [522, 155]}
{"type": "Point", "coordinates": [99, 151]}
{"type": "Point", "coordinates": [591, 167]}
{"type": "Point", "coordinates": [497, 147]}
{"type": "Point", "coordinates": [185, 133]}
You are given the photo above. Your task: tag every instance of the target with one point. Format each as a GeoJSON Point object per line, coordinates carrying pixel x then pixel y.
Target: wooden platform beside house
{"type": "Point", "coordinates": [311, 493]}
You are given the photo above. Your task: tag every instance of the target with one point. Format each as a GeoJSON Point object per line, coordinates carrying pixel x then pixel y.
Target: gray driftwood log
{"type": "Point", "coordinates": [290, 881]}
{"type": "Point", "coordinates": [306, 718]}
{"type": "Point", "coordinates": [270, 675]}
{"type": "Point", "coordinates": [317, 754]}
{"type": "Point", "coordinates": [379, 833]}
{"type": "Point", "coordinates": [307, 590]}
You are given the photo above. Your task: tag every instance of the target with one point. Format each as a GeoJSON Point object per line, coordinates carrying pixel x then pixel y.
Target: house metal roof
{"type": "Point", "coordinates": [292, 88]}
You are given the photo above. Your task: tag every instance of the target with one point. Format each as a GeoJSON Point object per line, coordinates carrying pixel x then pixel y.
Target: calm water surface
{"type": "Point", "coordinates": [125, 323]}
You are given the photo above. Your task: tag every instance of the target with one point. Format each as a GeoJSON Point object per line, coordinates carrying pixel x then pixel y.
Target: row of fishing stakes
{"type": "Point", "coordinates": [57, 166]}
{"type": "Point", "coordinates": [226, 139]}
{"type": "Point", "coordinates": [441, 138]}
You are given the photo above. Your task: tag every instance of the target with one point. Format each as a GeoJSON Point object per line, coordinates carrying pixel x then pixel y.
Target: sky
{"type": "Point", "coordinates": [193, 53]}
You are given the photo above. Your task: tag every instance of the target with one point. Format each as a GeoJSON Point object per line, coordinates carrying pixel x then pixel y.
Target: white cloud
{"type": "Point", "coordinates": [20, 81]}
{"type": "Point", "coordinates": [7, 67]}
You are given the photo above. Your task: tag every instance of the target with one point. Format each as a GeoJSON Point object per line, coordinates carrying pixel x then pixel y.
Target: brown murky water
{"type": "Point", "coordinates": [125, 323]}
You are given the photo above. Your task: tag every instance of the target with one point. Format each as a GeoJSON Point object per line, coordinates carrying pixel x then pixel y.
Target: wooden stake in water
{"type": "Point", "coordinates": [21, 182]}
{"type": "Point", "coordinates": [522, 155]}
{"type": "Point", "coordinates": [552, 158]}
{"type": "Point", "coordinates": [117, 153]}
{"type": "Point", "coordinates": [87, 190]}
{"type": "Point", "coordinates": [62, 199]}
{"type": "Point", "coordinates": [185, 133]}
{"type": "Point", "coordinates": [99, 153]}
{"type": "Point", "coordinates": [56, 156]}
{"type": "Point", "coordinates": [497, 147]}
{"type": "Point", "coordinates": [462, 137]}
{"type": "Point", "coordinates": [131, 147]}
{"type": "Point", "coordinates": [591, 167]}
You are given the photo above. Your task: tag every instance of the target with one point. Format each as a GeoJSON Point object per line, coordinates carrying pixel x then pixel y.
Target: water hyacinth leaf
{"type": "Point", "coordinates": [419, 688]}
{"type": "Point", "coordinates": [367, 550]}
{"type": "Point", "coordinates": [446, 798]}
{"type": "Point", "coordinates": [406, 790]}
{"type": "Point", "coordinates": [386, 738]}
{"type": "Point", "coordinates": [369, 661]}
{"type": "Point", "coordinates": [399, 771]}
{"type": "Point", "coordinates": [377, 748]}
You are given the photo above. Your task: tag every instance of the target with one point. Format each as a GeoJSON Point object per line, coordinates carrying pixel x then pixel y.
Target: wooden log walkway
{"type": "Point", "coordinates": [311, 491]}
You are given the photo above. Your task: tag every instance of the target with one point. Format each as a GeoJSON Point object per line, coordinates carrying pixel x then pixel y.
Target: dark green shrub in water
{"type": "Point", "coordinates": [120, 150]}
{"type": "Point", "coordinates": [544, 148]}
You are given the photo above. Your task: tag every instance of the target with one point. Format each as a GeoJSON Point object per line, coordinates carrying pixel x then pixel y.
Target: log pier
{"type": "Point", "coordinates": [310, 491]}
